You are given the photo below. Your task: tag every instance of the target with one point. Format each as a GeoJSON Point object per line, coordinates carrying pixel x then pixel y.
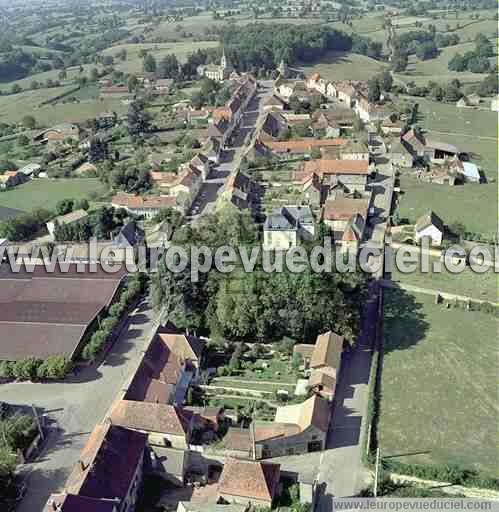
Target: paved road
{"type": "Point", "coordinates": [338, 469]}
{"type": "Point", "coordinates": [231, 160]}
{"type": "Point", "coordinates": [75, 406]}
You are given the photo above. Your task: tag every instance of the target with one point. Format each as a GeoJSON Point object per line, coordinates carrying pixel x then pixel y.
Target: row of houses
{"type": "Point", "coordinates": [148, 431]}
{"type": "Point", "coordinates": [227, 118]}
{"type": "Point", "coordinates": [298, 428]}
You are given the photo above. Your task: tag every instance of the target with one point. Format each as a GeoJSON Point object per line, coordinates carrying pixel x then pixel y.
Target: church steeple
{"type": "Point", "coordinates": [223, 60]}
{"type": "Point", "coordinates": [283, 69]}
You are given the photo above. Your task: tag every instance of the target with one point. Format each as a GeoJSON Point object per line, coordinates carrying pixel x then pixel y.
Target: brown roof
{"type": "Point", "coordinates": [74, 503]}
{"type": "Point", "coordinates": [304, 349]}
{"type": "Point", "coordinates": [237, 439]}
{"type": "Point", "coordinates": [275, 431]}
{"type": "Point", "coordinates": [343, 208]}
{"type": "Point", "coordinates": [323, 166]}
{"type": "Point", "coordinates": [157, 374]}
{"type": "Point", "coordinates": [324, 380]}
{"type": "Point", "coordinates": [327, 351]}
{"type": "Point", "coordinates": [150, 417]}
{"type": "Point", "coordinates": [131, 201]}
{"type": "Point", "coordinates": [302, 145]}
{"type": "Point", "coordinates": [315, 412]}
{"type": "Point", "coordinates": [45, 314]}
{"type": "Point", "coordinates": [108, 463]}
{"type": "Point", "coordinates": [182, 345]}
{"type": "Point", "coordinates": [248, 479]}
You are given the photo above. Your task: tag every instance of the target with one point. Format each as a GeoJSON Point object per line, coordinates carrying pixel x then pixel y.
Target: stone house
{"type": "Point", "coordinates": [68, 219]}
{"type": "Point", "coordinates": [400, 155]}
{"type": "Point", "coordinates": [108, 473]}
{"type": "Point", "coordinates": [354, 150]}
{"type": "Point", "coordinates": [285, 227]}
{"type": "Point", "coordinates": [429, 226]}
{"type": "Point", "coordinates": [244, 482]}
{"type": "Point", "coordinates": [11, 179]}
{"type": "Point", "coordinates": [165, 425]}
{"type": "Point", "coordinates": [350, 173]}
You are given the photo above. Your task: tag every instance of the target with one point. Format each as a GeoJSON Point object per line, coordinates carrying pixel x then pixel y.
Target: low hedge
{"type": "Point", "coordinates": [443, 473]}
{"type": "Point", "coordinates": [135, 286]}
{"type": "Point", "coordinates": [54, 367]}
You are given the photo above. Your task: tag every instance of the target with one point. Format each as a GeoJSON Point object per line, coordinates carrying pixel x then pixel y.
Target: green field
{"type": "Point", "coordinates": [14, 107]}
{"type": "Point", "coordinates": [478, 286]}
{"type": "Point", "coordinates": [53, 74]}
{"type": "Point", "coordinates": [422, 71]}
{"type": "Point", "coordinates": [133, 64]}
{"type": "Point", "coordinates": [439, 384]}
{"type": "Point", "coordinates": [196, 27]}
{"type": "Point", "coordinates": [472, 204]}
{"type": "Point", "coordinates": [45, 193]}
{"type": "Point", "coordinates": [234, 382]}
{"type": "Point", "coordinates": [345, 66]}
{"type": "Point", "coordinates": [473, 131]}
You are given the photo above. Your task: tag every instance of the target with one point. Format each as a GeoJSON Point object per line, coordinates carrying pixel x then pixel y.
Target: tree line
{"type": "Point", "coordinates": [257, 305]}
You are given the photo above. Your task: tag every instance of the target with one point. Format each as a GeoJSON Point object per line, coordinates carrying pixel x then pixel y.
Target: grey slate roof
{"type": "Point", "coordinates": [289, 218]}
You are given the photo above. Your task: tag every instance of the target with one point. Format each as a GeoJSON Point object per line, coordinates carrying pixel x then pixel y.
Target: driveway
{"type": "Point", "coordinates": [75, 406]}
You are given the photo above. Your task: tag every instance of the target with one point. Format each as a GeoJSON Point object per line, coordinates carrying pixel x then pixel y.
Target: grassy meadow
{"type": "Point", "coordinates": [439, 384]}
{"type": "Point", "coordinates": [133, 64]}
{"type": "Point", "coordinates": [344, 66]}
{"type": "Point", "coordinates": [45, 193]}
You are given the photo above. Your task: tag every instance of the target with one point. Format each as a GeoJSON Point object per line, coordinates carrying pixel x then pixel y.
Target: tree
{"type": "Point", "coordinates": [16, 88]}
{"type": "Point", "coordinates": [374, 90]}
{"type": "Point", "coordinates": [484, 47]}
{"type": "Point", "coordinates": [63, 75]}
{"type": "Point", "coordinates": [149, 63]}
{"type": "Point", "coordinates": [82, 204]}
{"type": "Point", "coordinates": [29, 122]}
{"type": "Point", "coordinates": [139, 120]}
{"type": "Point", "coordinates": [457, 63]}
{"type": "Point", "coordinates": [22, 140]}
{"type": "Point", "coordinates": [168, 67]}
{"type": "Point", "coordinates": [386, 81]}
{"type": "Point", "coordinates": [64, 206]}
{"type": "Point", "coordinates": [94, 75]}
{"type": "Point", "coordinates": [133, 84]}
{"type": "Point", "coordinates": [452, 93]}
{"type": "Point", "coordinates": [426, 50]}
{"type": "Point", "coordinates": [98, 151]}
{"type": "Point", "coordinates": [399, 62]}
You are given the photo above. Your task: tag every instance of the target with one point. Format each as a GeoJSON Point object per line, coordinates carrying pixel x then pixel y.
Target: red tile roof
{"type": "Point", "coordinates": [131, 201]}
{"type": "Point", "coordinates": [248, 479]}
{"type": "Point", "coordinates": [108, 463]}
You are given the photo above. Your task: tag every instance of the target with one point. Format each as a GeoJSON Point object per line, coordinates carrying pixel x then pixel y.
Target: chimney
{"type": "Point", "coordinates": [81, 465]}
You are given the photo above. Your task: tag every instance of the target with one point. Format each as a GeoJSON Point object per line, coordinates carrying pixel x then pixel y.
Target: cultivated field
{"type": "Point", "coordinates": [45, 193]}
{"type": "Point", "coordinates": [345, 66]}
{"type": "Point", "coordinates": [439, 384]}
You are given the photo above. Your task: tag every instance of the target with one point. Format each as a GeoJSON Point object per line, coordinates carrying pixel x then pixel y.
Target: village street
{"type": "Point", "coordinates": [231, 161]}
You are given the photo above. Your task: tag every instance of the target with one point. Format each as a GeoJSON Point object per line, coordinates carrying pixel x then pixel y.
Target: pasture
{"type": "Point", "coordinates": [46, 193]}
{"type": "Point", "coordinates": [439, 384]}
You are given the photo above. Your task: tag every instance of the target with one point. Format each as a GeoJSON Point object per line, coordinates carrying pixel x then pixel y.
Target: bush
{"type": "Point", "coordinates": [27, 368]}
{"type": "Point", "coordinates": [7, 370]}
{"type": "Point", "coordinates": [115, 310]}
{"type": "Point", "coordinates": [443, 473]}
{"type": "Point", "coordinates": [55, 367]}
